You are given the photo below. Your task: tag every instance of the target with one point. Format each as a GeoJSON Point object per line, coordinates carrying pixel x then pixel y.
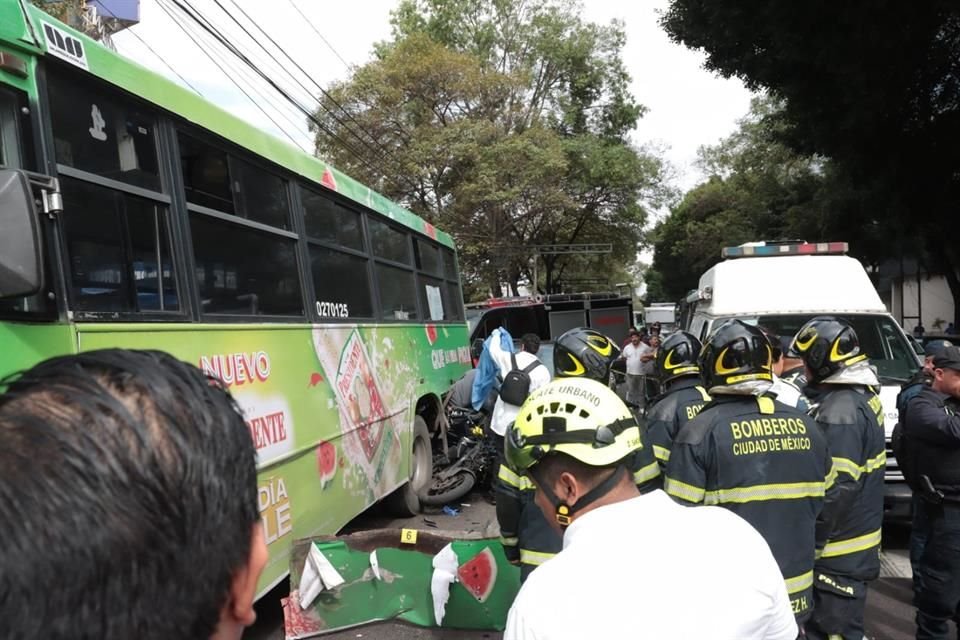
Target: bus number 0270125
{"type": "Point", "coordinates": [333, 309]}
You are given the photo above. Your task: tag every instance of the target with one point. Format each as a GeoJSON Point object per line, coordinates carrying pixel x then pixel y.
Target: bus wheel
{"type": "Point", "coordinates": [405, 501]}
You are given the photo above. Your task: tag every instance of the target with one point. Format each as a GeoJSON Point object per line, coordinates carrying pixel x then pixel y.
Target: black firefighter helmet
{"type": "Point", "coordinates": [584, 353]}
{"type": "Point", "coordinates": [736, 352]}
{"type": "Point", "coordinates": [677, 357]}
{"type": "Point", "coordinates": [827, 346]}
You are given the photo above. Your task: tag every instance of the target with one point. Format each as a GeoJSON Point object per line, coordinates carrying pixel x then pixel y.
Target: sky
{"type": "Point", "coordinates": [687, 105]}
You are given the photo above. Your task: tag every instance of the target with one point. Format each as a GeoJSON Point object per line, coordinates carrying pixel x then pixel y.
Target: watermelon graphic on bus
{"type": "Point", "coordinates": [479, 575]}
{"type": "Point", "coordinates": [326, 462]}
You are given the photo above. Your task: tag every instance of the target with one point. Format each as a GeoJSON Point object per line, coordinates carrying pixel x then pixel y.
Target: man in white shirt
{"type": "Point", "coordinates": [639, 357]}
{"type": "Point", "coordinates": [715, 575]}
{"type": "Point", "coordinates": [504, 413]}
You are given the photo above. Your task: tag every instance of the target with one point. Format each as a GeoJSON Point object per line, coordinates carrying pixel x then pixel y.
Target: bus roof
{"type": "Point", "coordinates": [789, 284]}
{"type": "Point", "coordinates": [17, 31]}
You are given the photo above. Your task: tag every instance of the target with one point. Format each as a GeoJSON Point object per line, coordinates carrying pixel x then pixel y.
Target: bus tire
{"type": "Point", "coordinates": [405, 501]}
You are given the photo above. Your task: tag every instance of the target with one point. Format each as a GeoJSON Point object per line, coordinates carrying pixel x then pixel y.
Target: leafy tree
{"type": "Point", "coordinates": [758, 189]}
{"type": "Point", "coordinates": [62, 10]}
{"type": "Point", "coordinates": [504, 122]}
{"type": "Point", "coordinates": [875, 88]}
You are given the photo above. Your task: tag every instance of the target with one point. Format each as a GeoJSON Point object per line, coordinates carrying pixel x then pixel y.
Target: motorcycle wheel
{"type": "Point", "coordinates": [445, 491]}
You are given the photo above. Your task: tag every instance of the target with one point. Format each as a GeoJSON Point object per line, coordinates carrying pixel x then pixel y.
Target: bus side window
{"type": "Point", "coordinates": [393, 270]}
{"type": "Point", "coordinates": [338, 261]}
{"type": "Point", "coordinates": [101, 132]}
{"type": "Point", "coordinates": [244, 271]}
{"type": "Point", "coordinates": [119, 248]}
{"type": "Point", "coordinates": [244, 252]}
{"type": "Point", "coordinates": [454, 295]}
{"type": "Point", "coordinates": [434, 294]}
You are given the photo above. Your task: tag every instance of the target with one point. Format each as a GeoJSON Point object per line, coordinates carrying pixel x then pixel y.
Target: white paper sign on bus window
{"type": "Point", "coordinates": [435, 302]}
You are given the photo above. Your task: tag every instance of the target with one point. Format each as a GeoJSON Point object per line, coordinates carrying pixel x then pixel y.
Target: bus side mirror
{"type": "Point", "coordinates": [21, 272]}
{"type": "Point", "coordinates": [476, 348]}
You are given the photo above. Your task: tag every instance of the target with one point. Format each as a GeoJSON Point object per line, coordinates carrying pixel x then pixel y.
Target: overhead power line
{"type": "Point", "coordinates": [201, 20]}
{"type": "Point", "coordinates": [165, 9]}
{"type": "Point", "coordinates": [157, 55]}
{"type": "Point", "coordinates": [319, 35]}
{"type": "Point", "coordinates": [196, 16]}
{"type": "Point", "coordinates": [238, 72]}
{"type": "Point", "coordinates": [326, 94]}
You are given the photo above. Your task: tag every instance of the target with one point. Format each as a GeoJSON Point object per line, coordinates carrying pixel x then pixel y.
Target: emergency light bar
{"type": "Point", "coordinates": [791, 249]}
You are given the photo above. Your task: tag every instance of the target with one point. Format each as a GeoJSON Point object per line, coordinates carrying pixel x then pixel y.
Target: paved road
{"type": "Point", "coordinates": [889, 613]}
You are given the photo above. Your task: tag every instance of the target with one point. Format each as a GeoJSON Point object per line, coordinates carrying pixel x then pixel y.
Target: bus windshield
{"type": "Point", "coordinates": [880, 338]}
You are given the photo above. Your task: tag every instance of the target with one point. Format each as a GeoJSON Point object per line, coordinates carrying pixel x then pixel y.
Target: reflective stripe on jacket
{"type": "Point", "coordinates": [670, 411]}
{"type": "Point", "coordinates": [768, 463]}
{"type": "Point", "coordinates": [524, 532]}
{"type": "Point", "coordinates": [851, 418]}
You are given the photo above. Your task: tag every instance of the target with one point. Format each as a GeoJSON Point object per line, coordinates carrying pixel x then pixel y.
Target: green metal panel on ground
{"type": "Point", "coordinates": [404, 592]}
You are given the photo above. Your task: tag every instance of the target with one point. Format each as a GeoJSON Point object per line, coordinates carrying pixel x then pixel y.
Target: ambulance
{"type": "Point", "coordinates": [781, 285]}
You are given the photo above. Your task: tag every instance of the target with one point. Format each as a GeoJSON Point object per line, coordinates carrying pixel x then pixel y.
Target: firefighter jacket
{"type": "Point", "coordinates": [851, 418]}
{"type": "Point", "coordinates": [643, 466]}
{"type": "Point", "coordinates": [681, 402]}
{"type": "Point", "coordinates": [931, 443]}
{"type": "Point", "coordinates": [526, 535]}
{"type": "Point", "coordinates": [768, 463]}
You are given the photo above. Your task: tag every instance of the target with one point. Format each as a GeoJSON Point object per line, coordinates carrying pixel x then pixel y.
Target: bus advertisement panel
{"type": "Point", "coordinates": [334, 315]}
{"type": "Point", "coordinates": [330, 408]}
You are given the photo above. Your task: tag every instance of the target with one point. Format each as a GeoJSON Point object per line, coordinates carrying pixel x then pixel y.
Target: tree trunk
{"type": "Point", "coordinates": [954, 283]}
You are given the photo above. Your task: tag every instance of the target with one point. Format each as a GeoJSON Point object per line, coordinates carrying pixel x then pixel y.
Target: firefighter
{"type": "Point", "coordinates": [585, 353]}
{"type": "Point", "coordinates": [527, 538]}
{"type": "Point", "coordinates": [841, 386]}
{"type": "Point", "coordinates": [682, 394]}
{"type": "Point", "coordinates": [757, 457]}
{"type": "Point", "coordinates": [632, 565]}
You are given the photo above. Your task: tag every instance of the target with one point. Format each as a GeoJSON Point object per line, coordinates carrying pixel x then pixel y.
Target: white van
{"type": "Point", "coordinates": [782, 285]}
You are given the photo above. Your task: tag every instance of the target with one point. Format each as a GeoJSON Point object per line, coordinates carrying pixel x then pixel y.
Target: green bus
{"type": "Point", "coordinates": [135, 214]}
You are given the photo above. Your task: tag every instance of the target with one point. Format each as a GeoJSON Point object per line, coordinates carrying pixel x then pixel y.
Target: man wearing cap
{"type": "Point", "coordinates": [924, 376]}
{"type": "Point", "coordinates": [919, 527]}
{"type": "Point", "coordinates": [931, 435]}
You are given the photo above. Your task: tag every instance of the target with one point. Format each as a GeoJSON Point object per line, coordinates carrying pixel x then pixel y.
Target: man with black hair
{"type": "Point", "coordinates": [530, 342]}
{"type": "Point", "coordinates": [128, 492]}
